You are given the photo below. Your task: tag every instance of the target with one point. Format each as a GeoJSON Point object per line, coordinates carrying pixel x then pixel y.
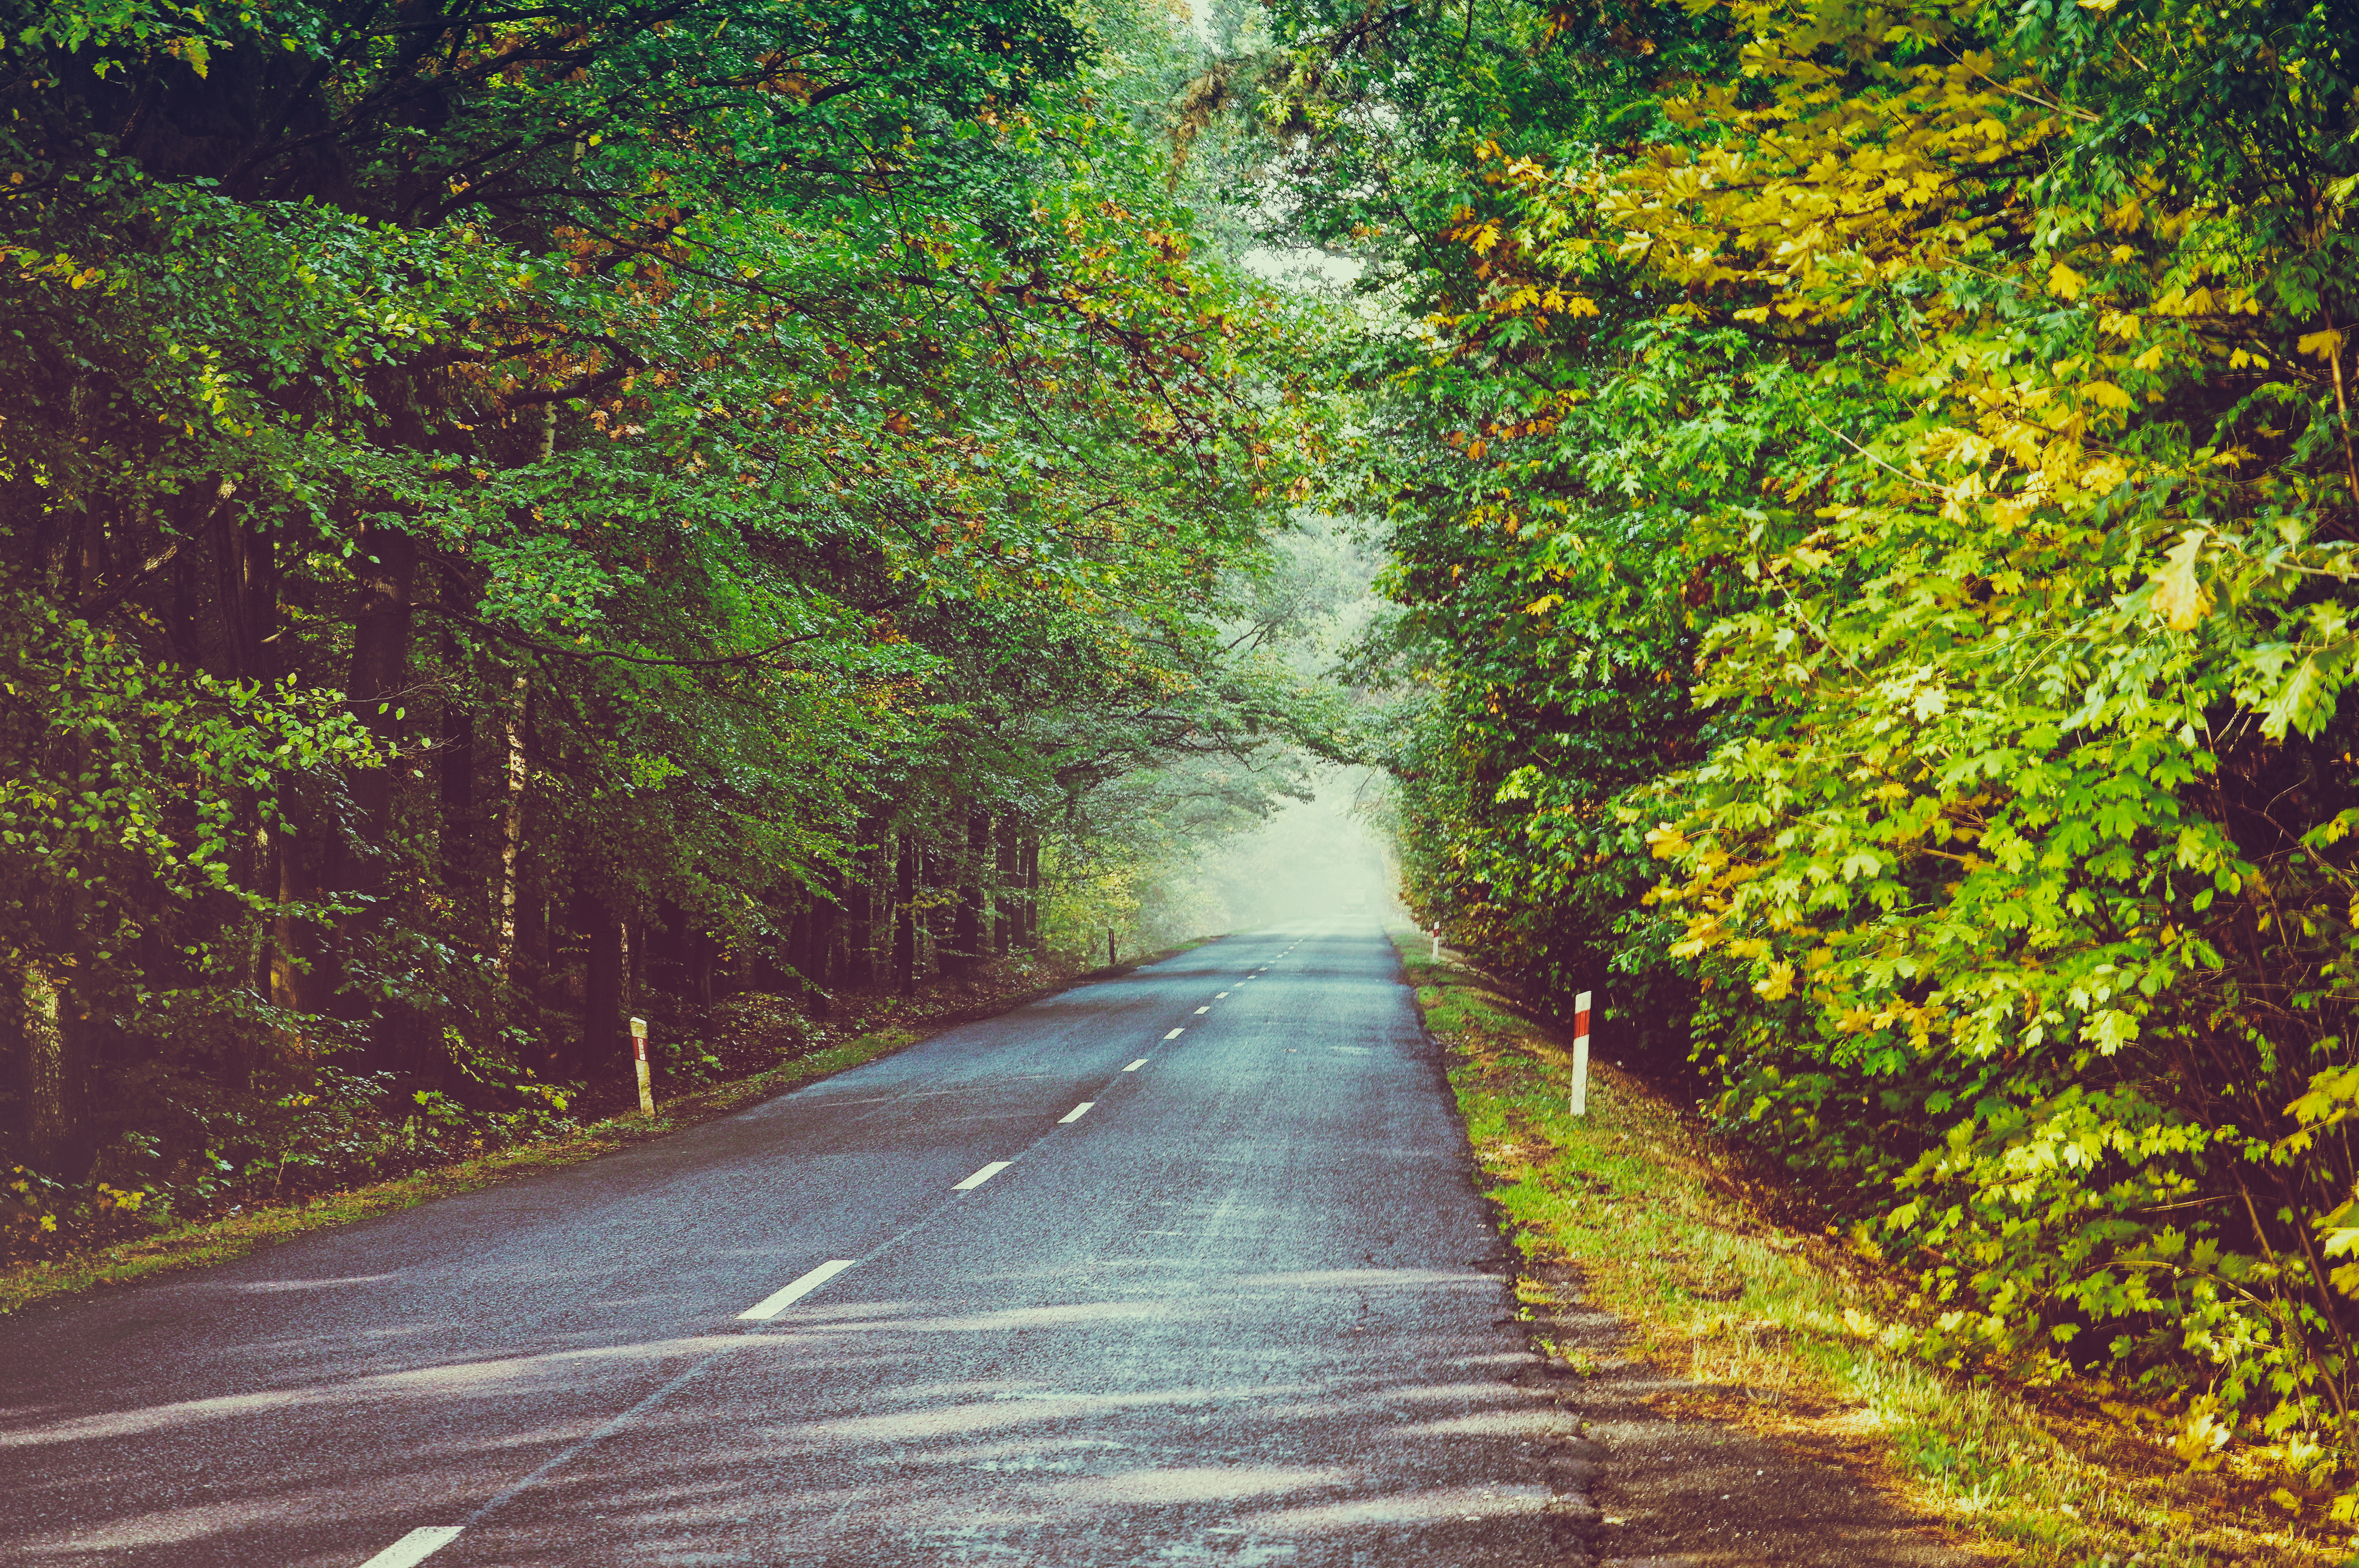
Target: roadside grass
{"type": "Point", "coordinates": [1791, 1335]}
{"type": "Point", "coordinates": [223, 1237]}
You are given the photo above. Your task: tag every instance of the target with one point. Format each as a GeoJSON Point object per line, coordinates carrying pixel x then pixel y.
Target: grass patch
{"type": "Point", "coordinates": [223, 1238]}
{"type": "Point", "coordinates": [1794, 1337]}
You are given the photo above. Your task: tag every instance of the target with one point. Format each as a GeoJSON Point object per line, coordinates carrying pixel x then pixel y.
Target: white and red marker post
{"type": "Point", "coordinates": [1581, 1055]}
{"type": "Point", "coordinates": [639, 1054]}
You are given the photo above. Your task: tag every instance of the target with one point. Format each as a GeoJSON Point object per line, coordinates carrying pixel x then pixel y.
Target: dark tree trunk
{"type": "Point", "coordinates": [299, 980]}
{"type": "Point", "coordinates": [703, 954]}
{"type": "Point", "coordinates": [819, 970]}
{"type": "Point", "coordinates": [1031, 909]}
{"type": "Point", "coordinates": [245, 568]}
{"type": "Point", "coordinates": [930, 876]}
{"type": "Point", "coordinates": [664, 948]}
{"type": "Point", "coordinates": [387, 570]}
{"type": "Point", "coordinates": [797, 979]}
{"type": "Point", "coordinates": [860, 915]}
{"type": "Point", "coordinates": [533, 921]}
{"type": "Point", "coordinates": [46, 1072]}
{"type": "Point", "coordinates": [604, 957]}
{"type": "Point", "coordinates": [966, 934]}
{"type": "Point", "coordinates": [49, 1026]}
{"type": "Point", "coordinates": [385, 565]}
{"type": "Point", "coordinates": [1007, 882]}
{"type": "Point", "coordinates": [458, 773]}
{"type": "Point", "coordinates": [864, 911]}
{"type": "Point", "coordinates": [905, 918]}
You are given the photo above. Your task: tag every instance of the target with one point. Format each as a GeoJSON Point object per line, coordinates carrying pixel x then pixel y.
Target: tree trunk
{"type": "Point", "coordinates": [966, 933]}
{"type": "Point", "coordinates": [1006, 882]}
{"type": "Point", "coordinates": [50, 1119]}
{"type": "Point", "coordinates": [246, 569]}
{"type": "Point", "coordinates": [859, 947]}
{"type": "Point", "coordinates": [387, 570]}
{"type": "Point", "coordinates": [512, 826]}
{"type": "Point", "coordinates": [386, 566]}
{"type": "Point", "coordinates": [457, 779]}
{"type": "Point", "coordinates": [905, 918]}
{"type": "Point", "coordinates": [1027, 913]}
{"type": "Point", "coordinates": [605, 954]}
{"type": "Point", "coordinates": [703, 953]}
{"type": "Point", "coordinates": [297, 982]}
{"type": "Point", "coordinates": [819, 970]}
{"type": "Point", "coordinates": [795, 983]}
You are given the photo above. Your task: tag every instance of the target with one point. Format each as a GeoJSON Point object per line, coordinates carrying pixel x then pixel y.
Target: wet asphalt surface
{"type": "Point", "coordinates": [1244, 1309]}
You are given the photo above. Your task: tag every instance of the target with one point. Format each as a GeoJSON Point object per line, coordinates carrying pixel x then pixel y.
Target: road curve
{"type": "Point", "coordinates": [1244, 1308]}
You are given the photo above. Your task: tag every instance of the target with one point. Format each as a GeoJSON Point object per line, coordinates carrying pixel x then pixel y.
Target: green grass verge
{"type": "Point", "coordinates": [218, 1241]}
{"type": "Point", "coordinates": [1788, 1333]}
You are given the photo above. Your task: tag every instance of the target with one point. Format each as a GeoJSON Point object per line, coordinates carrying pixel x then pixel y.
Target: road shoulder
{"type": "Point", "coordinates": [221, 1239]}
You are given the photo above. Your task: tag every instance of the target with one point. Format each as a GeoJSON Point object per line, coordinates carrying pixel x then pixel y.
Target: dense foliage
{"type": "Point", "coordinates": [1874, 496]}
{"type": "Point", "coordinates": [517, 518]}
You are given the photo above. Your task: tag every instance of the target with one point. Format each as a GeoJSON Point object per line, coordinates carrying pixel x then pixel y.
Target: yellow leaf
{"type": "Point", "coordinates": [2065, 281]}
{"type": "Point", "coordinates": [2325, 344]}
{"type": "Point", "coordinates": [2178, 598]}
{"type": "Point", "coordinates": [2105, 395]}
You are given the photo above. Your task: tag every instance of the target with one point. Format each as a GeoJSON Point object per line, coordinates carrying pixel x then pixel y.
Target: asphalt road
{"type": "Point", "coordinates": [1244, 1308]}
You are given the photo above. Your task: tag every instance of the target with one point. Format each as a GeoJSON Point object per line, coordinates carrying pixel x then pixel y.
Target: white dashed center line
{"type": "Point", "coordinates": [1076, 1113]}
{"type": "Point", "coordinates": [1203, 1010]}
{"type": "Point", "coordinates": [772, 1305]}
{"type": "Point", "coordinates": [1136, 1065]}
{"type": "Point", "coordinates": [982, 1176]}
{"type": "Point", "coordinates": [1175, 1034]}
{"type": "Point", "coordinates": [415, 1547]}
{"type": "Point", "coordinates": [1218, 995]}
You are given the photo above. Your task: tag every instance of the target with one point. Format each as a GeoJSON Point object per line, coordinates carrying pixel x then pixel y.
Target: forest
{"type": "Point", "coordinates": [517, 517]}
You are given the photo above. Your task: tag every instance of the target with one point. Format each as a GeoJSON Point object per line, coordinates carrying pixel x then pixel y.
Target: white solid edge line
{"type": "Point", "coordinates": [415, 1547]}
{"type": "Point", "coordinates": [1076, 1113]}
{"type": "Point", "coordinates": [772, 1305]}
{"type": "Point", "coordinates": [1175, 1034]}
{"type": "Point", "coordinates": [982, 1176]}
{"type": "Point", "coordinates": [1136, 1065]}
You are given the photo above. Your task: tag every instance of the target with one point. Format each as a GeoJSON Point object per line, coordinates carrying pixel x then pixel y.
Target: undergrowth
{"type": "Point", "coordinates": [1784, 1331]}
{"type": "Point", "coordinates": [221, 1239]}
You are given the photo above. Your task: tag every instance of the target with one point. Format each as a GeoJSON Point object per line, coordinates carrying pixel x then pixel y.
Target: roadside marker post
{"type": "Point", "coordinates": [1437, 944]}
{"type": "Point", "coordinates": [1581, 1055]}
{"type": "Point", "coordinates": [639, 1053]}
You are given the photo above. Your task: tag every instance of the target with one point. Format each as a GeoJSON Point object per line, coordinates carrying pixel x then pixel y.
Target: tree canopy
{"type": "Point", "coordinates": [1873, 499]}
{"type": "Point", "coordinates": [517, 516]}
